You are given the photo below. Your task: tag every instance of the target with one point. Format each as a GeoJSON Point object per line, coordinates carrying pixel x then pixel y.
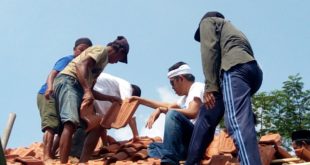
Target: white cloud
{"type": "Point", "coordinates": [166, 95]}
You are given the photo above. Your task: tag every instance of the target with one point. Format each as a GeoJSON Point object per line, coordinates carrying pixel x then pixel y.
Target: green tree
{"type": "Point", "coordinates": [283, 111]}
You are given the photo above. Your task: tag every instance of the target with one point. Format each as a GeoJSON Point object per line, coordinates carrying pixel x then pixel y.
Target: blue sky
{"type": "Point", "coordinates": [34, 34]}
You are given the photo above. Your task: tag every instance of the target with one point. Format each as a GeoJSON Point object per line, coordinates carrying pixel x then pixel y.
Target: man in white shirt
{"type": "Point", "coordinates": [180, 116]}
{"type": "Point", "coordinates": [110, 88]}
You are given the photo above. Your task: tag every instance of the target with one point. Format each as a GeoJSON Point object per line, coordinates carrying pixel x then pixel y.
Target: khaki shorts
{"type": "Point", "coordinates": [48, 113]}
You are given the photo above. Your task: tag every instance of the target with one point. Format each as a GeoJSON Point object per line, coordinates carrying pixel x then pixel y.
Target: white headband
{"type": "Point", "coordinates": [183, 69]}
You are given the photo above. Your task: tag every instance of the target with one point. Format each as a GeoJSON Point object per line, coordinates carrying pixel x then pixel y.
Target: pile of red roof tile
{"type": "Point", "coordinates": [222, 151]}
{"type": "Point", "coordinates": [122, 152]}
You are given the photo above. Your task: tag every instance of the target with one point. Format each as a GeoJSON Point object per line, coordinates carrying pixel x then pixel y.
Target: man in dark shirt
{"type": "Point", "coordinates": [232, 76]}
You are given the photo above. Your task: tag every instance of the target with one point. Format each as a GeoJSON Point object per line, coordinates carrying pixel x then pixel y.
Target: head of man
{"type": "Point", "coordinates": [136, 91]}
{"type": "Point", "coordinates": [119, 51]}
{"type": "Point", "coordinates": [208, 14]}
{"type": "Point", "coordinates": [301, 139]}
{"type": "Point", "coordinates": [80, 45]}
{"type": "Point", "coordinates": [180, 78]}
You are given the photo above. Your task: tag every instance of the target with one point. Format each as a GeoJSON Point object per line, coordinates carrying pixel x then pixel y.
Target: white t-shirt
{"type": "Point", "coordinates": [196, 90]}
{"type": "Point", "coordinates": [113, 86]}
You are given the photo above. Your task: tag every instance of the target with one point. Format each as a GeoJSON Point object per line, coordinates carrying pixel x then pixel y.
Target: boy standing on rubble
{"type": "Point", "coordinates": [180, 116]}
{"type": "Point", "coordinates": [75, 82]}
{"type": "Point", "coordinates": [232, 76]}
{"type": "Point", "coordinates": [46, 103]}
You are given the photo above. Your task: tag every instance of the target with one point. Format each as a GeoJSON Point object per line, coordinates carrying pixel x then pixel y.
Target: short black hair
{"type": "Point", "coordinates": [188, 77]}
{"type": "Point", "coordinates": [300, 137]}
{"type": "Point", "coordinates": [136, 91]}
{"type": "Point", "coordinates": [176, 66]}
{"type": "Point", "coordinates": [83, 40]}
{"type": "Point", "coordinates": [300, 143]}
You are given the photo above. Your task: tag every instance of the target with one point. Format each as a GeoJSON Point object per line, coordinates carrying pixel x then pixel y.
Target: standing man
{"type": "Point", "coordinates": [75, 83]}
{"type": "Point", "coordinates": [180, 116]}
{"type": "Point", "coordinates": [233, 75]}
{"type": "Point", "coordinates": [46, 103]}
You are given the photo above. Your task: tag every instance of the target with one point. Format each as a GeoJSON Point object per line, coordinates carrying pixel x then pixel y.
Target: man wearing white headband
{"type": "Point", "coordinates": [180, 116]}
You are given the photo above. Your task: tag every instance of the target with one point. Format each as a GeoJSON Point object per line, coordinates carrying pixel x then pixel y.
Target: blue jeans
{"type": "Point", "coordinates": [237, 85]}
{"type": "Point", "coordinates": [204, 129]}
{"type": "Point", "coordinates": [178, 131]}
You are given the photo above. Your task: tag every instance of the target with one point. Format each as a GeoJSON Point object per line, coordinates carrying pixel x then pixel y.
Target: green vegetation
{"type": "Point", "coordinates": [283, 111]}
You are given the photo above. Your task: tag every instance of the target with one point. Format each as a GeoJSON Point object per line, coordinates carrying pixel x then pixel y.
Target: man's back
{"type": "Point", "coordinates": [234, 46]}
{"type": "Point", "coordinates": [113, 86]}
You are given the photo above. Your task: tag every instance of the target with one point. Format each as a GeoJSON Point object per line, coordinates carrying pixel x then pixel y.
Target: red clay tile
{"type": "Point", "coordinates": [111, 115]}
{"type": "Point", "coordinates": [136, 145]}
{"type": "Point", "coordinates": [270, 139]}
{"type": "Point", "coordinates": [154, 161]}
{"type": "Point", "coordinates": [117, 157]}
{"type": "Point", "coordinates": [129, 150]}
{"type": "Point", "coordinates": [87, 113]}
{"type": "Point", "coordinates": [121, 155]}
{"type": "Point", "coordinates": [220, 160]}
{"type": "Point", "coordinates": [226, 143]}
{"type": "Point", "coordinates": [8, 151]}
{"type": "Point", "coordinates": [124, 162]}
{"type": "Point", "coordinates": [15, 163]}
{"type": "Point", "coordinates": [281, 152]}
{"type": "Point", "coordinates": [113, 147]}
{"type": "Point", "coordinates": [213, 148]}
{"type": "Point", "coordinates": [142, 154]}
{"type": "Point", "coordinates": [23, 151]}
{"type": "Point", "coordinates": [145, 141]}
{"type": "Point", "coordinates": [266, 154]}
{"type": "Point", "coordinates": [11, 157]}
{"type": "Point", "coordinates": [125, 114]}
{"type": "Point", "coordinates": [119, 115]}
{"type": "Point", "coordinates": [29, 160]}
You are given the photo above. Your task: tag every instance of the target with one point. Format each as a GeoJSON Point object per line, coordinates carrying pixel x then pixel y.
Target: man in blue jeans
{"type": "Point", "coordinates": [180, 116]}
{"type": "Point", "coordinates": [232, 76]}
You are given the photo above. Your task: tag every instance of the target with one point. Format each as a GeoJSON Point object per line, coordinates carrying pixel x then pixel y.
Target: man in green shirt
{"type": "Point", "coordinates": [75, 83]}
{"type": "Point", "coordinates": [232, 76]}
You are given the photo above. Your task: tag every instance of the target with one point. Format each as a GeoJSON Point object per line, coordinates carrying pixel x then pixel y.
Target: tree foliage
{"type": "Point", "coordinates": [283, 111]}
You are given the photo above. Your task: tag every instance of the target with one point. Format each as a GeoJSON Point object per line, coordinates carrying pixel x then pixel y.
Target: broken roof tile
{"type": "Point", "coordinates": [270, 139]}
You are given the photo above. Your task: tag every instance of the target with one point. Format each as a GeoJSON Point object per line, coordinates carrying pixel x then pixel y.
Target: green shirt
{"type": "Point", "coordinates": [222, 47]}
{"type": "Point", "coordinates": [97, 53]}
